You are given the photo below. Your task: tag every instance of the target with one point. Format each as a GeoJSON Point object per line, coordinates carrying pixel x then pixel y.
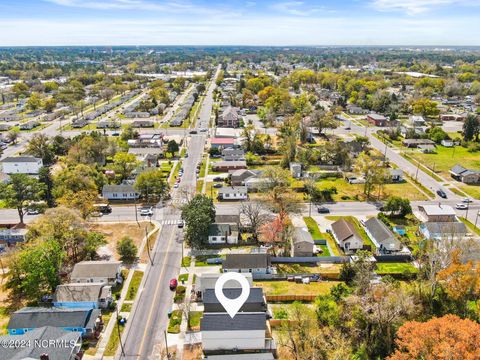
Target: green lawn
{"type": "Point", "coordinates": [316, 234]}
{"type": "Point", "coordinates": [349, 192]}
{"type": "Point", "coordinates": [134, 284]}
{"type": "Point", "coordinates": [126, 307]}
{"type": "Point", "coordinates": [292, 288]}
{"type": "Point", "coordinates": [183, 277]}
{"type": "Point", "coordinates": [186, 261]}
{"type": "Point", "coordinates": [113, 342]}
{"type": "Point", "coordinates": [471, 190]}
{"type": "Point", "coordinates": [175, 322]}
{"type": "Point", "coordinates": [194, 320]}
{"type": "Point", "coordinates": [179, 294]}
{"type": "Point", "coordinates": [175, 172]}
{"type": "Point", "coordinates": [395, 268]}
{"type": "Point", "coordinates": [471, 226]}
{"type": "Point", "coordinates": [202, 260]}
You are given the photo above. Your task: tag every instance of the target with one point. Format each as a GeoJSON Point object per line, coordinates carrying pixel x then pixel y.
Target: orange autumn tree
{"type": "Point", "coordinates": [276, 232]}
{"type": "Point", "coordinates": [445, 338]}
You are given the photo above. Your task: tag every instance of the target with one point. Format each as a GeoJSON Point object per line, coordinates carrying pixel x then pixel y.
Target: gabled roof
{"type": "Point", "coordinates": [31, 351]}
{"type": "Point", "coordinates": [300, 235]}
{"type": "Point", "coordinates": [241, 321]}
{"type": "Point", "coordinates": [79, 292]}
{"type": "Point", "coordinates": [447, 228]}
{"type": "Point", "coordinates": [119, 188]}
{"type": "Point", "coordinates": [344, 229]}
{"type": "Point", "coordinates": [21, 159]}
{"type": "Point", "coordinates": [255, 295]}
{"type": "Point", "coordinates": [95, 269]}
{"type": "Point", "coordinates": [382, 234]}
{"type": "Point", "coordinates": [233, 190]}
{"type": "Point", "coordinates": [219, 230]}
{"type": "Point", "coordinates": [35, 317]}
{"type": "Point", "coordinates": [246, 261]}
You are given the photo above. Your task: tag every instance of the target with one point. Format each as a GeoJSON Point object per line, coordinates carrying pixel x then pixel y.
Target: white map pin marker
{"type": "Point", "coordinates": [232, 305]}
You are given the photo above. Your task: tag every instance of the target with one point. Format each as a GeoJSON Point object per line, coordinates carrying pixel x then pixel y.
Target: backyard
{"type": "Point", "coordinates": [292, 288]}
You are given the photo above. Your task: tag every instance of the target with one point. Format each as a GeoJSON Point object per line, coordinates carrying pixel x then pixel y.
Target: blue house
{"type": "Point", "coordinates": [83, 296]}
{"type": "Point", "coordinates": [85, 321]}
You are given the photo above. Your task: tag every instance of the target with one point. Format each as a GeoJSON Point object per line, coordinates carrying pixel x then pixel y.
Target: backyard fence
{"type": "Point", "coordinates": [281, 298]}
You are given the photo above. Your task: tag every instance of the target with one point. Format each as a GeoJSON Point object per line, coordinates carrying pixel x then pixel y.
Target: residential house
{"type": "Point", "coordinates": [222, 143]}
{"type": "Point", "coordinates": [347, 236]}
{"type": "Point", "coordinates": [29, 125]}
{"type": "Point", "coordinates": [244, 332]}
{"type": "Point", "coordinates": [438, 213]}
{"type": "Point", "coordinates": [238, 177]}
{"type": "Point", "coordinates": [233, 193]}
{"type": "Point", "coordinates": [467, 176]}
{"type": "Point", "coordinates": [296, 170]}
{"type": "Point", "coordinates": [225, 166]}
{"type": "Point", "coordinates": [256, 264]}
{"type": "Point", "coordinates": [83, 295]}
{"type": "Point", "coordinates": [148, 156]}
{"type": "Point", "coordinates": [227, 133]}
{"type": "Point", "coordinates": [443, 230]}
{"type": "Point", "coordinates": [255, 302]}
{"type": "Point", "coordinates": [378, 120]}
{"type": "Point", "coordinates": [356, 110]}
{"type": "Point", "coordinates": [108, 124]}
{"type": "Point", "coordinates": [5, 127]}
{"type": "Point", "coordinates": [223, 234]}
{"type": "Point", "coordinates": [143, 124]}
{"type": "Point", "coordinates": [85, 321]}
{"type": "Point", "coordinates": [447, 143]}
{"type": "Point", "coordinates": [10, 115]}
{"type": "Point", "coordinates": [302, 243]}
{"type": "Point", "coordinates": [104, 272]}
{"type": "Point", "coordinates": [415, 143]}
{"type": "Point", "coordinates": [119, 192]}
{"type": "Point", "coordinates": [256, 183]}
{"type": "Point", "coordinates": [207, 281]}
{"type": "Point", "coordinates": [227, 216]}
{"type": "Point", "coordinates": [383, 238]}
{"type": "Point", "coordinates": [229, 118]}
{"type": "Point", "coordinates": [79, 123]}
{"type": "Point", "coordinates": [233, 154]}
{"type": "Point", "coordinates": [12, 236]}
{"type": "Point", "coordinates": [396, 175]}
{"type": "Point", "coordinates": [137, 114]}
{"type": "Point", "coordinates": [453, 117]}
{"type": "Point", "coordinates": [416, 120]}
{"type": "Point", "coordinates": [22, 165]}
{"type": "Point", "coordinates": [37, 343]}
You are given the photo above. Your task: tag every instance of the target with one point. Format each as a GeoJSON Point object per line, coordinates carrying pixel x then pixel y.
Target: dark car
{"type": "Point", "coordinates": [323, 210]}
{"type": "Point", "coordinates": [180, 224]}
{"type": "Point", "coordinates": [193, 131]}
{"type": "Point", "coordinates": [173, 284]}
{"type": "Point", "coordinates": [442, 194]}
{"type": "Point", "coordinates": [217, 186]}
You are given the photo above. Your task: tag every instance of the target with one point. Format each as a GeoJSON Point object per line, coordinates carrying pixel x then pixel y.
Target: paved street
{"type": "Point", "coordinates": [144, 335]}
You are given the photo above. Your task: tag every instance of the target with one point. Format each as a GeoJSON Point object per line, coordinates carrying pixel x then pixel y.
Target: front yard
{"type": "Point", "coordinates": [292, 288]}
{"type": "Point", "coordinates": [395, 268]}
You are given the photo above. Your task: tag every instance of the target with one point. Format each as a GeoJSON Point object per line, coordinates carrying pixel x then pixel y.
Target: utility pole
{"type": "Point", "coordinates": [148, 247]}
{"type": "Point", "coordinates": [166, 343]}
{"type": "Point", "coordinates": [476, 219]}
{"type": "Point", "coordinates": [418, 167]}
{"type": "Point", "coordinates": [136, 212]}
{"type": "Point", "coordinates": [466, 214]}
{"type": "Point", "coordinates": [119, 333]}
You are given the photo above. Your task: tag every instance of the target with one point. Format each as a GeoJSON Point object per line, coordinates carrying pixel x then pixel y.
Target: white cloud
{"type": "Point", "coordinates": [296, 8]}
{"type": "Point", "coordinates": [414, 7]}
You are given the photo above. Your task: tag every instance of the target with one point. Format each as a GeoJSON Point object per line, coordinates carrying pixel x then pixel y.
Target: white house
{"type": "Point", "coordinates": [296, 170]}
{"type": "Point", "coordinates": [233, 193]}
{"type": "Point", "coordinates": [246, 331]}
{"type": "Point", "coordinates": [208, 281]}
{"type": "Point", "coordinates": [102, 272]}
{"type": "Point", "coordinates": [256, 264]}
{"type": "Point", "coordinates": [119, 192]}
{"type": "Point", "coordinates": [22, 165]}
{"type": "Point", "coordinates": [222, 233]}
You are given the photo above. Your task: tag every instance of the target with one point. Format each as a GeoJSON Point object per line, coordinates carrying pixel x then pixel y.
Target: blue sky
{"type": "Point", "coordinates": [255, 22]}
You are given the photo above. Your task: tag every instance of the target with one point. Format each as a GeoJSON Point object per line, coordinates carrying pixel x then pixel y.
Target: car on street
{"type": "Point", "coordinates": [323, 210]}
{"type": "Point", "coordinates": [175, 186]}
{"type": "Point", "coordinates": [146, 212]}
{"type": "Point", "coordinates": [33, 212]}
{"type": "Point", "coordinates": [217, 185]}
{"type": "Point", "coordinates": [467, 200]}
{"type": "Point", "coordinates": [441, 193]}
{"type": "Point", "coordinates": [218, 178]}
{"type": "Point", "coordinates": [173, 284]}
{"type": "Point", "coordinates": [461, 206]}
{"type": "Point", "coordinates": [180, 224]}
{"type": "Point", "coordinates": [193, 131]}
{"type": "Point", "coordinates": [203, 130]}
{"type": "Point", "coordinates": [348, 128]}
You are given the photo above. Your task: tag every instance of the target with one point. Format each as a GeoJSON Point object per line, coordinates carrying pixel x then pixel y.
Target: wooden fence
{"type": "Point", "coordinates": [279, 298]}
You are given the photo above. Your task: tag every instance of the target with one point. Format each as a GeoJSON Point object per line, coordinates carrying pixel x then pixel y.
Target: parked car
{"type": "Point", "coordinates": [467, 200]}
{"type": "Point", "coordinates": [146, 212]}
{"type": "Point", "coordinates": [323, 210]}
{"type": "Point", "coordinates": [217, 186]}
{"type": "Point", "coordinates": [173, 284]}
{"type": "Point", "coordinates": [441, 193]}
{"type": "Point", "coordinates": [461, 206]}
{"type": "Point", "coordinates": [33, 212]}
{"type": "Point", "coordinates": [180, 224]}
{"type": "Point", "coordinates": [193, 131]}
{"type": "Point", "coordinates": [218, 178]}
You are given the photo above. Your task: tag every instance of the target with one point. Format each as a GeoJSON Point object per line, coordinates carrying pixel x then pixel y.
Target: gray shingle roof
{"type": "Point", "coordinates": [34, 352]}
{"type": "Point", "coordinates": [344, 229]}
{"type": "Point", "coordinates": [78, 292]}
{"type": "Point", "coordinates": [119, 188]}
{"type": "Point", "coordinates": [219, 229]}
{"type": "Point", "coordinates": [241, 321]}
{"type": "Point", "coordinates": [19, 159]}
{"type": "Point", "coordinates": [95, 269]}
{"type": "Point", "coordinates": [32, 317]}
{"type": "Point", "coordinates": [255, 296]}
{"type": "Point", "coordinates": [246, 261]}
{"type": "Point", "coordinates": [233, 190]}
{"type": "Point", "coordinates": [382, 234]}
{"type": "Point", "coordinates": [456, 228]}
{"type": "Point", "coordinates": [301, 235]}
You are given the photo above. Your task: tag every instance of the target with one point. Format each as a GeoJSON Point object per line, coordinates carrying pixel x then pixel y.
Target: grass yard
{"type": "Point", "coordinates": [176, 170]}
{"type": "Point", "coordinates": [471, 226]}
{"type": "Point", "coordinates": [292, 288]}
{"type": "Point", "coordinates": [114, 232]}
{"type": "Point", "coordinates": [186, 261]}
{"type": "Point", "coordinates": [203, 168]}
{"type": "Point", "coordinates": [183, 277]}
{"type": "Point", "coordinates": [395, 268]}
{"type": "Point", "coordinates": [316, 234]}
{"type": "Point", "coordinates": [471, 190]}
{"type": "Point", "coordinates": [134, 285]}
{"type": "Point", "coordinates": [175, 322]}
{"type": "Point", "coordinates": [410, 222]}
{"type": "Point", "coordinates": [194, 320]}
{"type": "Point", "coordinates": [201, 260]}
{"type": "Point", "coordinates": [113, 342]}
{"type": "Point", "coordinates": [349, 192]}
{"type": "Point", "coordinates": [126, 307]}
{"type": "Point", "coordinates": [199, 187]}
{"type": "Point", "coordinates": [179, 294]}
{"type": "Point", "coordinates": [4, 318]}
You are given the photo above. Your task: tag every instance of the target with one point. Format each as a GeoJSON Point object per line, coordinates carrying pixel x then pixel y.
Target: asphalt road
{"type": "Point", "coordinates": [144, 335]}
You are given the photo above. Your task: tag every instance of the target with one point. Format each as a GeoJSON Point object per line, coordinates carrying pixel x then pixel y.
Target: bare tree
{"type": "Point", "coordinates": [255, 215]}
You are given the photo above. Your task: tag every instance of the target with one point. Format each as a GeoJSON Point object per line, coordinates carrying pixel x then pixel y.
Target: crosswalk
{"type": "Point", "coordinates": [170, 221]}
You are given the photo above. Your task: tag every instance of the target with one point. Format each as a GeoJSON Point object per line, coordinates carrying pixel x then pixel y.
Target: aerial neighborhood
{"type": "Point", "coordinates": [342, 186]}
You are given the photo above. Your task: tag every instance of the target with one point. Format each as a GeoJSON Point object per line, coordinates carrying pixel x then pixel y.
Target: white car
{"type": "Point", "coordinates": [175, 186]}
{"type": "Point", "coordinates": [461, 206]}
{"type": "Point", "coordinates": [146, 212]}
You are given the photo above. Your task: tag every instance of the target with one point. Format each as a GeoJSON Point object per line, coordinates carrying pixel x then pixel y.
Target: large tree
{"type": "Point", "coordinates": [471, 128]}
{"type": "Point", "coordinates": [445, 338]}
{"type": "Point", "coordinates": [124, 164]}
{"type": "Point", "coordinates": [372, 171]}
{"type": "Point", "coordinates": [20, 191]}
{"type": "Point", "coordinates": [151, 184]}
{"type": "Point", "coordinates": [198, 214]}
{"type": "Point", "coordinates": [39, 146]}
{"type": "Point", "coordinates": [322, 120]}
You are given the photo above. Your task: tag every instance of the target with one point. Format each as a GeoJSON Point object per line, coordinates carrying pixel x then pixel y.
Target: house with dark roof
{"type": "Point", "coordinates": [467, 176]}
{"type": "Point", "coordinates": [302, 243]}
{"type": "Point", "coordinates": [223, 233]}
{"type": "Point", "coordinates": [225, 166]}
{"type": "Point", "coordinates": [207, 281]}
{"type": "Point", "coordinates": [119, 192]}
{"type": "Point", "coordinates": [255, 264]}
{"type": "Point", "coordinates": [22, 165]}
{"type": "Point", "coordinates": [378, 120]}
{"type": "Point", "coordinates": [346, 236]}
{"type": "Point", "coordinates": [85, 321]}
{"type": "Point", "coordinates": [230, 154]}
{"type": "Point", "coordinates": [104, 272]}
{"type": "Point", "coordinates": [143, 123]}
{"type": "Point", "coordinates": [384, 239]}
{"type": "Point", "coordinates": [245, 332]}
{"type": "Point", "coordinates": [238, 177]}
{"type": "Point", "coordinates": [415, 143]}
{"type": "Point", "coordinates": [83, 296]}
{"type": "Point", "coordinates": [255, 302]}
{"type": "Point", "coordinates": [37, 342]}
